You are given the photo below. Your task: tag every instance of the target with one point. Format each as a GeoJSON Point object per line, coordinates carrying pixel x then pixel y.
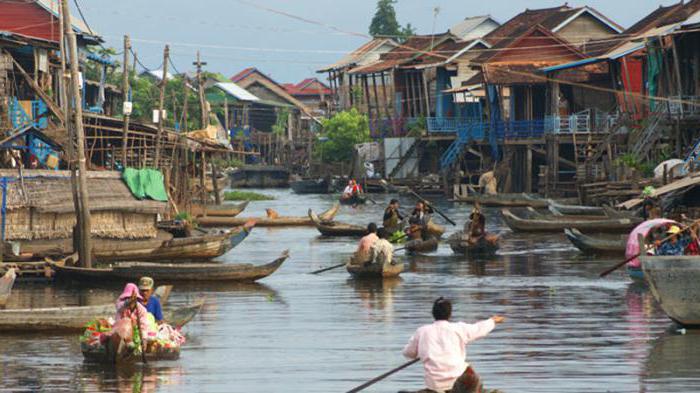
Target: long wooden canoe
{"type": "Point", "coordinates": [597, 245]}
{"type": "Point", "coordinates": [219, 210]}
{"type": "Point", "coordinates": [373, 270]}
{"type": "Point", "coordinates": [486, 246]}
{"type": "Point", "coordinates": [575, 209]}
{"type": "Point", "coordinates": [505, 200]}
{"type": "Point", "coordinates": [333, 228]}
{"type": "Point", "coordinates": [673, 281]}
{"type": "Point", "coordinates": [266, 221]}
{"type": "Point", "coordinates": [171, 273]}
{"type": "Point", "coordinates": [558, 224]}
{"type": "Point", "coordinates": [162, 248]}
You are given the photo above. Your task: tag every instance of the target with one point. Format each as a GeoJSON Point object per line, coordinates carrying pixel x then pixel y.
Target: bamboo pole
{"type": "Point", "coordinates": [161, 104]}
{"type": "Point", "coordinates": [125, 98]}
{"type": "Point", "coordinates": [85, 246]}
{"type": "Point", "coordinates": [200, 88]}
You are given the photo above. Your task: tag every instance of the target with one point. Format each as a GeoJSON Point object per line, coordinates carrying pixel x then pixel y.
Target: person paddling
{"type": "Point", "coordinates": [152, 303]}
{"type": "Point", "coordinates": [476, 229]}
{"type": "Point", "coordinates": [392, 216]}
{"type": "Point", "coordinates": [441, 347]}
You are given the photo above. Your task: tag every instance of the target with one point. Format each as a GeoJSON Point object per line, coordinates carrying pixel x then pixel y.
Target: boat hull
{"type": "Point", "coordinates": [559, 224]}
{"type": "Point", "coordinates": [482, 248]}
{"type": "Point", "coordinates": [374, 271]}
{"type": "Point", "coordinates": [219, 222]}
{"type": "Point", "coordinates": [505, 200]}
{"type": "Point", "coordinates": [673, 281]}
{"type": "Point", "coordinates": [421, 246]}
{"type": "Point", "coordinates": [595, 245]}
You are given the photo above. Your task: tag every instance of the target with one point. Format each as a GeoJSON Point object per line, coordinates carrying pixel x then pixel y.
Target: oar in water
{"type": "Point", "coordinates": [379, 378]}
{"type": "Point", "coordinates": [432, 207]}
{"type": "Point", "coordinates": [325, 269]}
{"type": "Point", "coordinates": [626, 261]}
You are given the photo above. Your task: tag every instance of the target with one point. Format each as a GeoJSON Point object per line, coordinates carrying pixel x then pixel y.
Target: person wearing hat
{"type": "Point", "coordinates": [676, 243]}
{"type": "Point", "coordinates": [151, 302]}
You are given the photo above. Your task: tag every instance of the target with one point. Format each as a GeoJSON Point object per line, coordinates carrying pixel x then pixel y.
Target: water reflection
{"type": "Point", "coordinates": [672, 363]}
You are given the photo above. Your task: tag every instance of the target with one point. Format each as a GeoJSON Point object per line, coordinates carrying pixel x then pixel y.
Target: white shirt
{"type": "Point", "coordinates": [382, 251]}
{"type": "Point", "coordinates": [441, 346]}
{"type": "Point", "coordinates": [347, 190]}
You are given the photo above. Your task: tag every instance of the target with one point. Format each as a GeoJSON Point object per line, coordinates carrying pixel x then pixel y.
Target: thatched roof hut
{"type": "Point", "coordinates": [39, 205]}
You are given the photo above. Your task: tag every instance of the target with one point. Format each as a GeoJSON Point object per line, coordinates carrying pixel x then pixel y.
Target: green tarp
{"type": "Point", "coordinates": [145, 183]}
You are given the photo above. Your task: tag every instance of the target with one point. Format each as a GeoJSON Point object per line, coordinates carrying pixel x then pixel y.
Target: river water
{"type": "Point", "coordinates": [566, 330]}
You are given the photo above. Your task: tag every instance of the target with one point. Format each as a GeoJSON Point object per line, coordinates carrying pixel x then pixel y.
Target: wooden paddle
{"type": "Point", "coordinates": [379, 378]}
{"type": "Point", "coordinates": [325, 269]}
{"type": "Point", "coordinates": [432, 207]}
{"type": "Point", "coordinates": [664, 240]}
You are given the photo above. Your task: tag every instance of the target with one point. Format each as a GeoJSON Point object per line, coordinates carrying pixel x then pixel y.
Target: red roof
{"type": "Point", "coordinates": [307, 87]}
{"type": "Point", "coordinates": [241, 75]}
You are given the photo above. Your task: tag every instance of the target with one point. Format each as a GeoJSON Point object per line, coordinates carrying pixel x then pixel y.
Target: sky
{"type": "Point", "coordinates": [235, 34]}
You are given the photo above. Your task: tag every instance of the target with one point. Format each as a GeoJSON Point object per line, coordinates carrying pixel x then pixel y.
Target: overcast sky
{"type": "Point", "coordinates": [233, 35]}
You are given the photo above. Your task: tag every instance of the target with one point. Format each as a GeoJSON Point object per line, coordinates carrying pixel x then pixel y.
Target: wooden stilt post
{"type": "Point", "coordinates": [161, 104]}
{"type": "Point", "coordinates": [125, 98]}
{"type": "Point", "coordinates": [200, 87]}
{"type": "Point", "coordinates": [85, 246]}
{"type": "Point", "coordinates": [528, 169]}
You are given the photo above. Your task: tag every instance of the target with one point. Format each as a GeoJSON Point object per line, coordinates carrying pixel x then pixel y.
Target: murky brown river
{"type": "Point", "coordinates": [567, 330]}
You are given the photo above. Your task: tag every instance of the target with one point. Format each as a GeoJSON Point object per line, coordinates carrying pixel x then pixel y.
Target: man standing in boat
{"type": "Point", "coordinates": [149, 301]}
{"type": "Point", "coordinates": [441, 347]}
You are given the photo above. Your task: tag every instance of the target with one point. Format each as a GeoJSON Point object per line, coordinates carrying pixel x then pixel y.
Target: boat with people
{"type": "Point", "coordinates": [597, 245]}
{"type": "Point", "coordinates": [484, 246]}
{"type": "Point", "coordinates": [504, 200]}
{"type": "Point", "coordinates": [225, 210]}
{"type": "Point", "coordinates": [353, 200]}
{"type": "Point", "coordinates": [272, 219]}
{"type": "Point", "coordinates": [334, 228]}
{"type": "Point", "coordinates": [311, 186]}
{"type": "Point", "coordinates": [650, 232]}
{"type": "Point", "coordinates": [420, 246]}
{"type": "Point", "coordinates": [558, 224]}
{"type": "Point", "coordinates": [375, 270]}
{"type": "Point", "coordinates": [170, 273]}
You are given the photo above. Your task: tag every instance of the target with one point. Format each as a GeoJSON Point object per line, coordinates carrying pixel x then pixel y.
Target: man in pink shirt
{"type": "Point", "coordinates": [441, 346]}
{"type": "Point", "coordinates": [362, 254]}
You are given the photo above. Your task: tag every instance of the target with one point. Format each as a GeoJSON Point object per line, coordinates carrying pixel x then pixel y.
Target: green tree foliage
{"type": "Point", "coordinates": [343, 131]}
{"type": "Point", "coordinates": [385, 24]}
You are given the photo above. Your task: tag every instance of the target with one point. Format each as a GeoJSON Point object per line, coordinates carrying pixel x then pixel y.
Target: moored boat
{"type": "Point", "coordinates": [673, 281]}
{"type": "Point", "coordinates": [576, 209]}
{"type": "Point", "coordinates": [597, 245]}
{"type": "Point", "coordinates": [332, 228]}
{"type": "Point", "coordinates": [558, 224]}
{"type": "Point", "coordinates": [267, 221]}
{"type": "Point", "coordinates": [170, 273]}
{"type": "Point", "coordinates": [225, 210]}
{"type": "Point", "coordinates": [505, 200]}
{"type": "Point", "coordinates": [311, 186]}
{"type": "Point", "coordinates": [487, 245]}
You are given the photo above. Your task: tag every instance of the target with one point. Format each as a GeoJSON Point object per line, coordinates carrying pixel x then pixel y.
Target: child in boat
{"type": "Point", "coordinates": [382, 252]}
{"type": "Point", "coordinates": [441, 346]}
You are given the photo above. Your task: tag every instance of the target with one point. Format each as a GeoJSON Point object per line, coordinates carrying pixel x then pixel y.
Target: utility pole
{"type": "Point", "coordinates": [84, 224]}
{"type": "Point", "coordinates": [200, 87]}
{"type": "Point", "coordinates": [126, 108]}
{"type": "Point", "coordinates": [161, 103]}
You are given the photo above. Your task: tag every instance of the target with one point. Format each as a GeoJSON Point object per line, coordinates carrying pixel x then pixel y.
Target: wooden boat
{"type": "Point", "coordinates": [107, 355]}
{"type": "Point", "coordinates": [226, 210]}
{"type": "Point", "coordinates": [267, 221]}
{"type": "Point", "coordinates": [163, 248]}
{"type": "Point", "coordinates": [596, 245]}
{"type": "Point", "coordinates": [505, 200]}
{"type": "Point", "coordinates": [353, 200]}
{"type": "Point", "coordinates": [311, 186]}
{"type": "Point", "coordinates": [259, 176]}
{"type": "Point", "coordinates": [575, 209]}
{"type": "Point", "coordinates": [170, 273]}
{"type": "Point", "coordinates": [73, 319]}
{"type": "Point", "coordinates": [487, 245]}
{"type": "Point", "coordinates": [435, 230]}
{"type": "Point", "coordinates": [417, 246]}
{"type": "Point", "coordinates": [673, 281]}
{"type": "Point", "coordinates": [373, 270]}
{"type": "Point", "coordinates": [558, 224]}
{"type": "Point", "coordinates": [333, 228]}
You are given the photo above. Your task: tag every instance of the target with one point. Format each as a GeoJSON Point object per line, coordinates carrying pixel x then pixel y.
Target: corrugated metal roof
{"type": "Point", "coordinates": [53, 7]}
{"type": "Point", "coordinates": [361, 54]}
{"type": "Point", "coordinates": [464, 29]}
{"type": "Point", "coordinates": [236, 91]}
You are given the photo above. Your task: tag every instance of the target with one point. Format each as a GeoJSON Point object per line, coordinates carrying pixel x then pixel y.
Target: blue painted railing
{"type": "Point", "coordinates": [448, 124]}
